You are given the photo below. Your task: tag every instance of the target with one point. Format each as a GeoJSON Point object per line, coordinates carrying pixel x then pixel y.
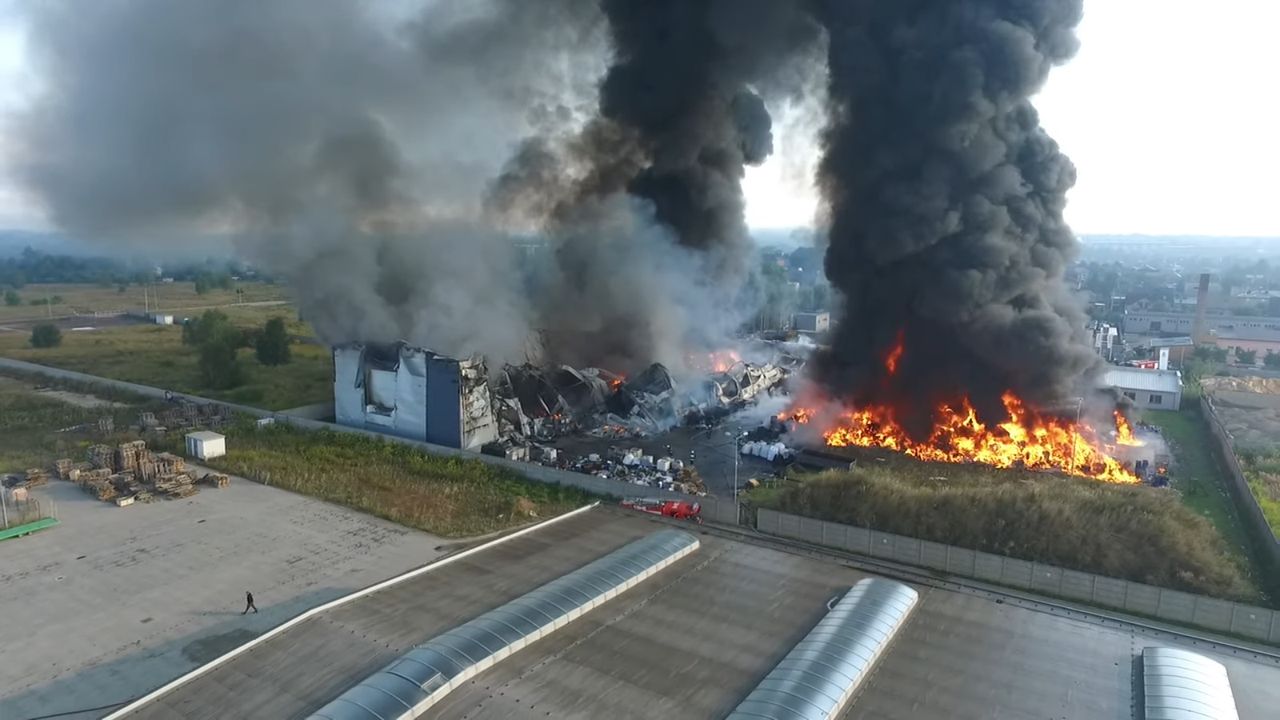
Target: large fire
{"type": "Point", "coordinates": [1024, 439]}
{"type": "Point", "coordinates": [1124, 432]}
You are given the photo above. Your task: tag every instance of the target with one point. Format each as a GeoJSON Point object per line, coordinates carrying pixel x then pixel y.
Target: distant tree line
{"type": "Point", "coordinates": [34, 266]}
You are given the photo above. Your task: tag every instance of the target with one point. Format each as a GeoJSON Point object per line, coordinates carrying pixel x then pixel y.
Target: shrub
{"type": "Point", "coordinates": [46, 335]}
{"type": "Point", "coordinates": [273, 343]}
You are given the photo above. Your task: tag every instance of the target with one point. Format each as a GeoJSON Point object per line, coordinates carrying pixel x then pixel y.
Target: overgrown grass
{"type": "Point", "coordinates": [1262, 472]}
{"type": "Point", "coordinates": [445, 496]}
{"type": "Point", "coordinates": [1197, 474]}
{"type": "Point", "coordinates": [1135, 533]}
{"type": "Point", "coordinates": [154, 355]}
{"type": "Point", "coordinates": [30, 424]}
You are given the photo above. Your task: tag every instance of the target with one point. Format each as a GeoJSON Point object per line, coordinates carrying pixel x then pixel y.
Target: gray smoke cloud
{"type": "Point", "coordinates": [344, 145]}
{"type": "Point", "coordinates": [386, 158]}
{"type": "Point", "coordinates": [946, 198]}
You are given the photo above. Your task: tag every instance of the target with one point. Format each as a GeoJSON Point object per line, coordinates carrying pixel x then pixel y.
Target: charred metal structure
{"type": "Point", "coordinates": [414, 393]}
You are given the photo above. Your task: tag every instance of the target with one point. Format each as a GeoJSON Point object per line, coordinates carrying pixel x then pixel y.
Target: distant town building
{"type": "Point", "coordinates": [814, 322]}
{"type": "Point", "coordinates": [1140, 322]}
{"type": "Point", "coordinates": [1147, 389]}
{"type": "Point", "coordinates": [1105, 340]}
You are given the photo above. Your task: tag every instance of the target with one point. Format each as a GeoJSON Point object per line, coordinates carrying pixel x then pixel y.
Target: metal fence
{"type": "Point", "coordinates": [19, 512]}
{"type": "Point", "coordinates": [1225, 616]}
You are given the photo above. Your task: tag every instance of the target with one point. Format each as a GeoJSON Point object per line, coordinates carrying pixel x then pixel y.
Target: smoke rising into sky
{"type": "Point", "coordinates": [946, 200]}
{"type": "Point", "coordinates": [388, 163]}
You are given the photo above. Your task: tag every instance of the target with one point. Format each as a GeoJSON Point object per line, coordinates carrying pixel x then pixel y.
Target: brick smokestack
{"type": "Point", "coordinates": [1202, 298]}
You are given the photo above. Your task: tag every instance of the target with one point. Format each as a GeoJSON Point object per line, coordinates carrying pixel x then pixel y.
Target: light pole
{"type": "Point", "coordinates": [736, 452]}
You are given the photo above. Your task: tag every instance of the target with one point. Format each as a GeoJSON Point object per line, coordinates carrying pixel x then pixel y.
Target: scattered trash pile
{"type": "Point", "coordinates": [130, 472]}
{"type": "Point", "coordinates": [534, 404]}
{"type": "Point", "coordinates": [19, 484]}
{"type": "Point", "coordinates": [771, 451]}
{"type": "Point", "coordinates": [633, 466]}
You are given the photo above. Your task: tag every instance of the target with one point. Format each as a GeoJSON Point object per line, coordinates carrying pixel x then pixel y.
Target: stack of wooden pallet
{"type": "Point", "coordinates": [63, 466]}
{"type": "Point", "coordinates": [36, 477]}
{"type": "Point", "coordinates": [176, 485]}
{"type": "Point", "coordinates": [106, 424]}
{"type": "Point", "coordinates": [101, 456]}
{"type": "Point", "coordinates": [130, 454]}
{"type": "Point", "coordinates": [101, 489]}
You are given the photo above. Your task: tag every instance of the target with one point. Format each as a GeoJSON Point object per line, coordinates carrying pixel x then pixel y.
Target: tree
{"type": "Point", "coordinates": [273, 344]}
{"type": "Point", "coordinates": [1246, 357]}
{"type": "Point", "coordinates": [12, 298]}
{"type": "Point", "coordinates": [211, 324]}
{"type": "Point", "coordinates": [219, 367]}
{"type": "Point", "coordinates": [45, 335]}
{"type": "Point", "coordinates": [1271, 359]}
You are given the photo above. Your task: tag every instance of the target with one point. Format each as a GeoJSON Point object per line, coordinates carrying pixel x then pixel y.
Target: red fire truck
{"type": "Point", "coordinates": [679, 509]}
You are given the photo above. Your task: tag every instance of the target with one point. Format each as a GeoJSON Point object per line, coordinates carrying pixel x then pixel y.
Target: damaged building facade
{"type": "Point", "coordinates": [414, 393]}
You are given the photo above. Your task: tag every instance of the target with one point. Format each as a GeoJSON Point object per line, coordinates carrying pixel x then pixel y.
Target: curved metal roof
{"type": "Point", "coordinates": [427, 673]}
{"type": "Point", "coordinates": [1182, 685]}
{"type": "Point", "coordinates": [820, 674]}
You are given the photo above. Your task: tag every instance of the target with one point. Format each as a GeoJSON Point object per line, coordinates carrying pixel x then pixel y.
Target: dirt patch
{"type": "Point", "coordinates": [79, 399]}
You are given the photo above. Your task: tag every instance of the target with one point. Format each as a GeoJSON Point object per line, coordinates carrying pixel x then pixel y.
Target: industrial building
{"type": "Point", "coordinates": [604, 615]}
{"type": "Point", "coordinates": [413, 393]}
{"type": "Point", "coordinates": [811, 323]}
{"type": "Point", "coordinates": [1147, 389]}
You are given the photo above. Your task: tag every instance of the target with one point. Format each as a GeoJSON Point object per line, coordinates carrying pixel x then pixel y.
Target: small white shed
{"type": "Point", "coordinates": [203, 444]}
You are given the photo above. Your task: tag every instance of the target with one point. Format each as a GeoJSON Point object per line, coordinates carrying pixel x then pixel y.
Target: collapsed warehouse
{"type": "Point", "coordinates": [415, 393]}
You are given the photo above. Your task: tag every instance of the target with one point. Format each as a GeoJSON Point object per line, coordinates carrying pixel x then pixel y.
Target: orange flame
{"type": "Point", "coordinates": [717, 361]}
{"type": "Point", "coordinates": [1023, 440]}
{"type": "Point", "coordinates": [895, 354]}
{"type": "Point", "coordinates": [1124, 432]}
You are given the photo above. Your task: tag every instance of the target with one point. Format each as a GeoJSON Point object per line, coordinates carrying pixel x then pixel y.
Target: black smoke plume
{"type": "Point", "coordinates": [946, 200]}
{"type": "Point", "coordinates": [655, 180]}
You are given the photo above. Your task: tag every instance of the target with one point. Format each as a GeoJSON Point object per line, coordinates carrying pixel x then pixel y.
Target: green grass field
{"type": "Point", "coordinates": [85, 299]}
{"type": "Point", "coordinates": [1131, 532]}
{"type": "Point", "coordinates": [446, 496]}
{"type": "Point", "coordinates": [1197, 476]}
{"type": "Point", "coordinates": [33, 425]}
{"type": "Point", "coordinates": [154, 355]}
{"type": "Point", "coordinates": [1262, 472]}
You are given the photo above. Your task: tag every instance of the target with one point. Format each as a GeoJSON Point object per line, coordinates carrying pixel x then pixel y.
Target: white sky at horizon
{"type": "Point", "coordinates": [1169, 112]}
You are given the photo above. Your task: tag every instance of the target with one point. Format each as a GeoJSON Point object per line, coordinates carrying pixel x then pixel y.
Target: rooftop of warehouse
{"type": "Point", "coordinates": [1169, 381]}
{"type": "Point", "coordinates": [695, 639]}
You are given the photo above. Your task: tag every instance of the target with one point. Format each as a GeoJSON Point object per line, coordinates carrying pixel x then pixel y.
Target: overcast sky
{"type": "Point", "coordinates": [1170, 112]}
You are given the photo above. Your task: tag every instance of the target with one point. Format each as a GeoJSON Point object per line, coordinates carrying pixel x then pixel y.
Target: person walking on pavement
{"type": "Point", "coordinates": [248, 599]}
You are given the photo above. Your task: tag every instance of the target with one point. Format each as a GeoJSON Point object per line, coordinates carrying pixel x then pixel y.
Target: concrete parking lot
{"type": "Point", "coordinates": [116, 601]}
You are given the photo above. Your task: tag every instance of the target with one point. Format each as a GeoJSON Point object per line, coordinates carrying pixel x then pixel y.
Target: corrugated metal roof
{"type": "Point", "coordinates": [422, 676]}
{"type": "Point", "coordinates": [1138, 379]}
{"type": "Point", "coordinates": [1182, 685]}
{"type": "Point", "coordinates": [821, 673]}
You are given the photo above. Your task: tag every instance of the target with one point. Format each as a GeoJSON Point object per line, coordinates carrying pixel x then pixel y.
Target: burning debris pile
{"type": "Point", "coordinates": [416, 393]}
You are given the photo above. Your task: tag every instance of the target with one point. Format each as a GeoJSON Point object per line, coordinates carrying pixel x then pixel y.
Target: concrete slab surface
{"type": "Point", "coordinates": [693, 640]}
{"type": "Point", "coordinates": [114, 602]}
